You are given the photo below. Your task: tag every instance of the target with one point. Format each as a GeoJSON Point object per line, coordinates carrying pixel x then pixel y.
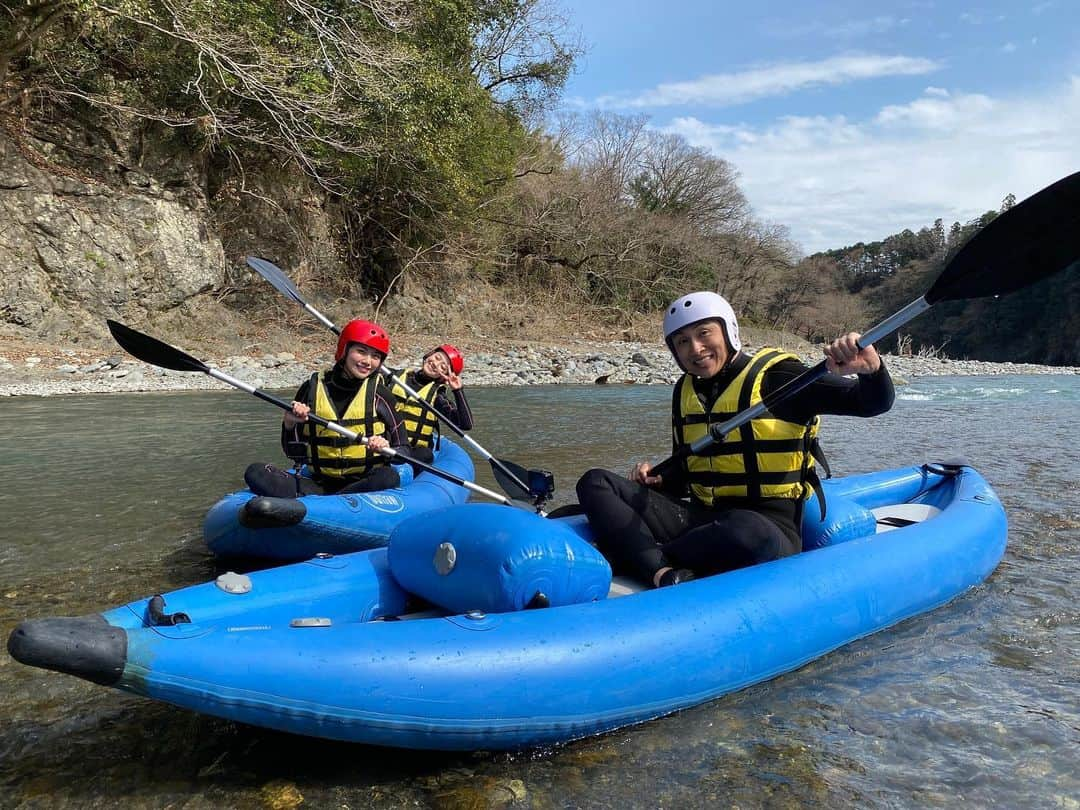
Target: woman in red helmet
{"type": "Point", "coordinates": [439, 372]}
{"type": "Point", "coordinates": [353, 395]}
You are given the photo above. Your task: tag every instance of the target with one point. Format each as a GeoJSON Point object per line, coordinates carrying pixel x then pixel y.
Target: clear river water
{"type": "Point", "coordinates": [976, 702]}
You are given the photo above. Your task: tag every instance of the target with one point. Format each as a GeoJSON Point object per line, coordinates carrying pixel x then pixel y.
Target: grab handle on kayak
{"type": "Point", "coordinates": [947, 467]}
{"type": "Point", "coordinates": [158, 616]}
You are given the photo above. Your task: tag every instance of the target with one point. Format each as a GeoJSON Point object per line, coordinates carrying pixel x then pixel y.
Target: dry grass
{"type": "Point", "coordinates": [472, 315]}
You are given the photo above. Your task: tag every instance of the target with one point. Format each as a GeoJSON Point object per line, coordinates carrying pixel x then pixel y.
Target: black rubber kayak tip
{"type": "Point", "coordinates": [87, 647]}
{"type": "Point", "coordinates": [265, 512]}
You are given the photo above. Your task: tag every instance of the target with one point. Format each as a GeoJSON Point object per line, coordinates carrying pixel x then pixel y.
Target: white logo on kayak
{"type": "Point", "coordinates": [384, 503]}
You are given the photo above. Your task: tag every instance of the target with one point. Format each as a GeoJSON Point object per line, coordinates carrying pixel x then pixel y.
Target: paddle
{"type": "Point", "coordinates": [1027, 243]}
{"type": "Point", "coordinates": [153, 351]}
{"type": "Point", "coordinates": [509, 476]}
{"type": "Point", "coordinates": [283, 284]}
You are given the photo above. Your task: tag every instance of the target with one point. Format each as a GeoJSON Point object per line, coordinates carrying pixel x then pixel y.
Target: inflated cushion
{"type": "Point", "coordinates": [844, 520]}
{"type": "Point", "coordinates": [495, 558]}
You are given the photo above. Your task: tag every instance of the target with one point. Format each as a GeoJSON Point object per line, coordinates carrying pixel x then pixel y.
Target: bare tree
{"type": "Point", "coordinates": [631, 217]}
{"type": "Point", "coordinates": [610, 152]}
{"type": "Point", "coordinates": [679, 179]}
{"type": "Point", "coordinates": [792, 300]}
{"type": "Point", "coordinates": [752, 256]}
{"type": "Point", "coordinates": [524, 52]}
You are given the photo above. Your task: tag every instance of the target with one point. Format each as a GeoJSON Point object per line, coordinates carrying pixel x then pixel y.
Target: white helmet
{"type": "Point", "coordinates": [700, 306]}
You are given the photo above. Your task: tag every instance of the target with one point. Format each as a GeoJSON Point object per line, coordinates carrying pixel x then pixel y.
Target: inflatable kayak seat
{"type": "Point", "coordinates": [495, 559]}
{"type": "Point", "coordinates": [845, 520]}
{"type": "Point", "coordinates": [897, 516]}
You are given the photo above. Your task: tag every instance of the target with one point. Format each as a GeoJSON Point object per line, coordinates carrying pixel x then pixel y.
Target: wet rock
{"type": "Point", "coordinates": [517, 790]}
{"type": "Point", "coordinates": [280, 795]}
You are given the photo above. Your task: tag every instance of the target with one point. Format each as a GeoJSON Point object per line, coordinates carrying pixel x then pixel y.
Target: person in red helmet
{"type": "Point", "coordinates": [352, 394]}
{"type": "Point", "coordinates": [439, 372]}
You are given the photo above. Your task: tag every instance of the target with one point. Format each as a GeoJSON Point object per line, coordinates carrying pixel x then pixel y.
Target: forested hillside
{"type": "Point", "coordinates": [1039, 324]}
{"type": "Point", "coordinates": [389, 146]}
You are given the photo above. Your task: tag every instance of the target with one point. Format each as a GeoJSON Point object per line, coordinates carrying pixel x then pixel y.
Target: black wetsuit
{"type": "Point", "coordinates": [267, 479]}
{"type": "Point", "coordinates": [643, 529]}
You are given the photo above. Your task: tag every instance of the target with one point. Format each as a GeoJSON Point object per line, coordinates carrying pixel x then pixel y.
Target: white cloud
{"type": "Point", "coordinates": [1008, 47]}
{"type": "Point", "coordinates": [835, 181]}
{"type": "Point", "coordinates": [936, 114]}
{"type": "Point", "coordinates": [848, 29]}
{"type": "Point", "coordinates": [726, 89]}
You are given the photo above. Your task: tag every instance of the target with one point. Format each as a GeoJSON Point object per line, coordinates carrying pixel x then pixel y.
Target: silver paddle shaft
{"type": "Point", "coordinates": [475, 445]}
{"type": "Point", "coordinates": [868, 338]}
{"type": "Point", "coordinates": [464, 436]}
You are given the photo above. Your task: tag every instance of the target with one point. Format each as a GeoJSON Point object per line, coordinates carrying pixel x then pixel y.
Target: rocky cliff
{"type": "Point", "coordinates": [96, 226]}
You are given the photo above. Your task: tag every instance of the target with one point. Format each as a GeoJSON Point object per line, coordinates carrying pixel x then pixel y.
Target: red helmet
{"type": "Point", "coordinates": [368, 333]}
{"type": "Point", "coordinates": [457, 362]}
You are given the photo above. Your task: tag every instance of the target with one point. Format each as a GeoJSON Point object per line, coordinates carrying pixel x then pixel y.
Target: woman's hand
{"type": "Point", "coordinates": [843, 356]}
{"type": "Point", "coordinates": [377, 442]}
{"type": "Point", "coordinates": [453, 380]}
{"type": "Point", "coordinates": [297, 415]}
{"type": "Point", "coordinates": [640, 475]}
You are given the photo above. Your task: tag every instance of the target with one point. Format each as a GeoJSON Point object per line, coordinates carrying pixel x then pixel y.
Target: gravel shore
{"type": "Point", "coordinates": [582, 362]}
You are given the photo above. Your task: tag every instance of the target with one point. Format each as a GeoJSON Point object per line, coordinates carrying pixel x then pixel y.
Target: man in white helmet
{"type": "Point", "coordinates": [746, 493]}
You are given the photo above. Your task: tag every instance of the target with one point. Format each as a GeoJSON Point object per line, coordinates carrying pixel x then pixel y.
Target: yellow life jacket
{"type": "Point", "coordinates": [421, 423]}
{"type": "Point", "coordinates": [333, 455]}
{"type": "Point", "coordinates": [765, 458]}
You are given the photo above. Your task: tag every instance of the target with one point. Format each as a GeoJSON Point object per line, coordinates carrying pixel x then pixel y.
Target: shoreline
{"type": "Point", "coordinates": [579, 363]}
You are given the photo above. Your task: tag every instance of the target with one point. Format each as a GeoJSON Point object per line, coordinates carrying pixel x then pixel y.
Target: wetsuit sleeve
{"type": "Point", "coordinates": [864, 395]}
{"type": "Point", "coordinates": [388, 414]}
{"type": "Point", "coordinates": [295, 434]}
{"type": "Point", "coordinates": [457, 411]}
{"type": "Point", "coordinates": [675, 483]}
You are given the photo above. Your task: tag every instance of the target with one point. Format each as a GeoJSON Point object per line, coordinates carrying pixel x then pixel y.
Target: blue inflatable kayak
{"type": "Point", "coordinates": [243, 524]}
{"type": "Point", "coordinates": [335, 647]}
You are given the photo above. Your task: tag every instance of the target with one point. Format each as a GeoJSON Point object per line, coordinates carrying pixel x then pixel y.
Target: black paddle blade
{"type": "Point", "coordinates": [153, 351]}
{"type": "Point", "coordinates": [1029, 242]}
{"type": "Point", "coordinates": [505, 472]}
{"type": "Point", "coordinates": [538, 484]}
{"type": "Point", "coordinates": [276, 276]}
{"type": "Point", "coordinates": [566, 510]}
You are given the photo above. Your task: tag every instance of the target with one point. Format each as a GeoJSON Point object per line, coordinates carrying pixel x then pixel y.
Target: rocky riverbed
{"type": "Point", "coordinates": [583, 362]}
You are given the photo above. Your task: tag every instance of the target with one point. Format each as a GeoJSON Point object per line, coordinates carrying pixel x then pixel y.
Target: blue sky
{"type": "Point", "coordinates": [848, 121]}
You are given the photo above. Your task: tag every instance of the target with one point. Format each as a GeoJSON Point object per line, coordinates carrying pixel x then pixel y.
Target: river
{"type": "Point", "coordinates": [976, 702]}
